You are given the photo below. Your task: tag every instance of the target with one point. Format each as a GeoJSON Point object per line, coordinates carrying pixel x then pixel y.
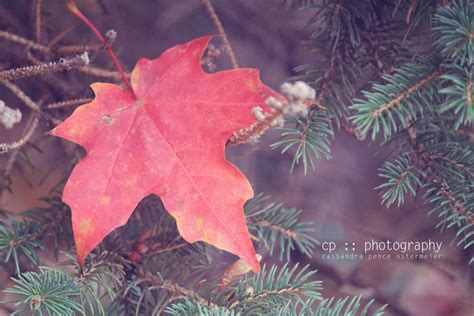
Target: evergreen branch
{"type": "Point", "coordinates": [309, 138]}
{"type": "Point", "coordinates": [402, 177]}
{"type": "Point", "coordinates": [454, 205]}
{"type": "Point", "coordinates": [25, 236]}
{"type": "Point", "coordinates": [157, 292]}
{"type": "Point", "coordinates": [454, 31]}
{"type": "Point", "coordinates": [269, 290]}
{"type": "Point", "coordinates": [272, 223]}
{"type": "Point", "coordinates": [400, 101]}
{"type": "Point", "coordinates": [459, 92]}
{"type": "Point", "coordinates": [457, 203]}
{"type": "Point", "coordinates": [102, 278]}
{"type": "Point", "coordinates": [20, 239]}
{"type": "Point", "coordinates": [189, 308]}
{"type": "Point", "coordinates": [347, 306]}
{"type": "Point", "coordinates": [49, 292]}
{"type": "Point", "coordinates": [405, 94]}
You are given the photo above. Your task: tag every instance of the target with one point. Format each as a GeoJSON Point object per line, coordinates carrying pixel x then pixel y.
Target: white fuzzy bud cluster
{"type": "Point", "coordinates": [111, 35]}
{"type": "Point", "coordinates": [296, 94]}
{"type": "Point", "coordinates": [85, 58]}
{"type": "Point", "coordinates": [9, 116]}
{"type": "Point", "coordinates": [298, 91]}
{"type": "Point", "coordinates": [274, 103]}
{"type": "Point", "coordinates": [258, 113]}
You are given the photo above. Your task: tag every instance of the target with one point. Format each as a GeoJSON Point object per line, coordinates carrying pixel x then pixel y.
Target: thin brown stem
{"type": "Point", "coordinates": [176, 289]}
{"type": "Point", "coordinates": [43, 68]}
{"type": "Point", "coordinates": [102, 73]}
{"type": "Point", "coordinates": [68, 103]}
{"type": "Point", "coordinates": [459, 207]}
{"type": "Point", "coordinates": [255, 130]}
{"type": "Point", "coordinates": [61, 35]}
{"type": "Point", "coordinates": [221, 32]}
{"type": "Point", "coordinates": [23, 41]}
{"type": "Point", "coordinates": [16, 90]}
{"type": "Point", "coordinates": [76, 49]}
{"type": "Point", "coordinates": [288, 233]}
{"type": "Point", "coordinates": [7, 147]}
{"type": "Point", "coordinates": [38, 21]}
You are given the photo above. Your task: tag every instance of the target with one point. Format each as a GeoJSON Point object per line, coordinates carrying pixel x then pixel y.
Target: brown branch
{"type": "Point", "coordinates": [20, 95]}
{"type": "Point", "coordinates": [102, 73]}
{"type": "Point", "coordinates": [68, 103]}
{"type": "Point", "coordinates": [255, 130]}
{"type": "Point", "coordinates": [221, 31]}
{"type": "Point", "coordinates": [176, 289]}
{"type": "Point", "coordinates": [14, 153]}
{"type": "Point", "coordinates": [23, 41]}
{"type": "Point", "coordinates": [455, 204]}
{"type": "Point", "coordinates": [43, 68]}
{"type": "Point", "coordinates": [405, 94]}
{"type": "Point", "coordinates": [453, 163]}
{"type": "Point", "coordinates": [168, 248]}
{"type": "Point", "coordinates": [61, 35]}
{"type": "Point", "coordinates": [7, 147]}
{"type": "Point", "coordinates": [284, 231]}
{"type": "Point", "coordinates": [38, 21]}
{"type": "Point", "coordinates": [76, 49]}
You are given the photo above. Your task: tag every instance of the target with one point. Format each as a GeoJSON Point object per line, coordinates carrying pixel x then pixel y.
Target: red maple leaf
{"type": "Point", "coordinates": [167, 137]}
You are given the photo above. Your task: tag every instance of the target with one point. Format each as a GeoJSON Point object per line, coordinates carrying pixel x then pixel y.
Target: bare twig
{"type": "Point", "coordinates": [61, 35]}
{"type": "Point", "coordinates": [102, 73]}
{"type": "Point", "coordinates": [255, 130]}
{"type": "Point", "coordinates": [23, 41]}
{"type": "Point", "coordinates": [43, 68]}
{"type": "Point", "coordinates": [221, 31]}
{"type": "Point", "coordinates": [7, 147]}
{"type": "Point", "coordinates": [38, 21]}
{"type": "Point", "coordinates": [76, 49]}
{"type": "Point", "coordinates": [68, 103]}
{"type": "Point", "coordinates": [16, 90]}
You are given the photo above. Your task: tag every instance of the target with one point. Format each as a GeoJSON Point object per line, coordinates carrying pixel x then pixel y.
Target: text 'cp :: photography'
{"type": "Point", "coordinates": [381, 250]}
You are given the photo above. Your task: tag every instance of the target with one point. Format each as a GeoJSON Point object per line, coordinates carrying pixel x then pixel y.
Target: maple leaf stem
{"type": "Point", "coordinates": [75, 10]}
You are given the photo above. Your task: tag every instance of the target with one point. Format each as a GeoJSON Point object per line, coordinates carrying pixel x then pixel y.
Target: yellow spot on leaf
{"type": "Point", "coordinates": [79, 242]}
{"type": "Point", "coordinates": [131, 181]}
{"type": "Point", "coordinates": [252, 85]}
{"type": "Point", "coordinates": [85, 226]}
{"type": "Point", "coordinates": [199, 223]}
{"type": "Point", "coordinates": [105, 200]}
